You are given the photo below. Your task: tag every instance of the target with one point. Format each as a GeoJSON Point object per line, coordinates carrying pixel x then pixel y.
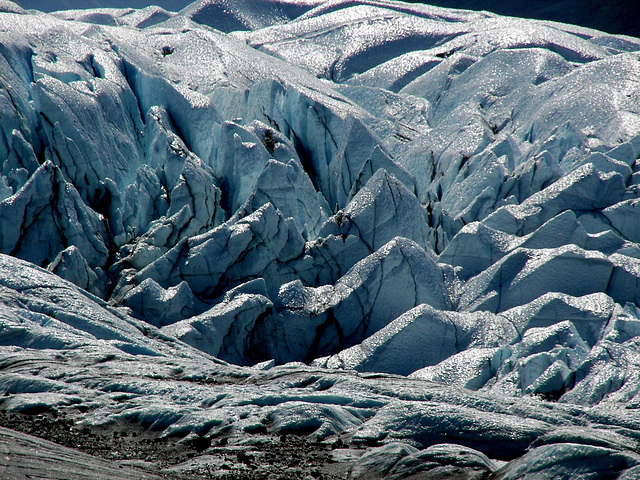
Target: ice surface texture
{"type": "Point", "coordinates": [365, 186]}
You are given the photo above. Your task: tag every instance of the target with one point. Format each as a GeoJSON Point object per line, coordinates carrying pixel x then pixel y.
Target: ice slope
{"type": "Point", "coordinates": [55, 462]}
{"type": "Point", "coordinates": [67, 351]}
{"type": "Point", "coordinates": [51, 6]}
{"type": "Point", "coordinates": [377, 189]}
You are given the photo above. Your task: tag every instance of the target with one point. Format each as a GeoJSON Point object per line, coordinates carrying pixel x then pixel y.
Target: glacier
{"type": "Point", "coordinates": [403, 234]}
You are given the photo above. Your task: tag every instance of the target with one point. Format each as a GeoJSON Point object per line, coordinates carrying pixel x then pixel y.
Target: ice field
{"type": "Point", "coordinates": [411, 229]}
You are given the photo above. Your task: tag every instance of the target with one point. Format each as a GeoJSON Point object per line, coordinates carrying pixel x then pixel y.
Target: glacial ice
{"type": "Point", "coordinates": [381, 210]}
{"type": "Point", "coordinates": [398, 460]}
{"type": "Point", "coordinates": [408, 228]}
{"type": "Point", "coordinates": [432, 335]}
{"type": "Point", "coordinates": [46, 215]}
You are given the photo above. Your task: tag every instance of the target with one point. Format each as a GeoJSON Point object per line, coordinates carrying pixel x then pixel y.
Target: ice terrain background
{"type": "Point", "coordinates": [410, 228]}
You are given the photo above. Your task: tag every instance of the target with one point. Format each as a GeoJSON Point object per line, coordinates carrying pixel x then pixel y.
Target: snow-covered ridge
{"type": "Point", "coordinates": [368, 186]}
